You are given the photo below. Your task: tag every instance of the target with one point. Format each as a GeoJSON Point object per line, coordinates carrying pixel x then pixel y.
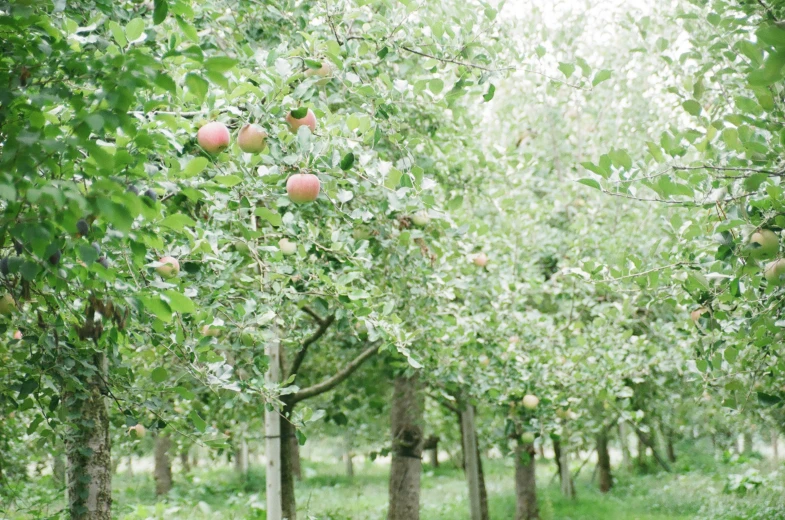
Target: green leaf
{"type": "Point", "coordinates": [184, 392]}
{"type": "Point", "coordinates": [347, 162]}
{"type": "Point", "coordinates": [566, 68]}
{"type": "Point", "coordinates": [591, 183]}
{"type": "Point", "coordinates": [491, 91]}
{"type": "Point", "coordinates": [178, 222]}
{"type": "Point", "coordinates": [134, 29]}
{"type": "Point", "coordinates": [197, 85]}
{"type": "Point", "coordinates": [436, 85]}
{"type": "Point", "coordinates": [88, 254]}
{"type": "Point", "coordinates": [270, 216]}
{"type": "Point", "coordinates": [179, 302]}
{"type": "Point", "coordinates": [601, 76]}
{"type": "Point", "coordinates": [159, 375]}
{"type": "Point", "coordinates": [692, 107]}
{"type": "Point", "coordinates": [166, 83]}
{"type": "Point", "coordinates": [198, 421]}
{"type": "Point", "coordinates": [194, 167]}
{"type": "Point", "coordinates": [228, 180]}
{"type": "Point", "coordinates": [220, 64]}
{"type": "Point", "coordinates": [299, 113]}
{"type": "Point", "coordinates": [157, 307]}
{"type": "Point", "coordinates": [393, 178]}
{"type": "Point", "coordinates": [160, 11]}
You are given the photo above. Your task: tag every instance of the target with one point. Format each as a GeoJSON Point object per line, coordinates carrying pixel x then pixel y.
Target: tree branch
{"type": "Point", "coordinates": [324, 324]}
{"type": "Point", "coordinates": [338, 378]}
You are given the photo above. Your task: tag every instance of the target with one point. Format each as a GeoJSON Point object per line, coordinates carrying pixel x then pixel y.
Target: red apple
{"type": "Point", "coordinates": [480, 260]}
{"type": "Point", "coordinates": [138, 430]}
{"type": "Point", "coordinates": [251, 139]}
{"type": "Point", "coordinates": [213, 137]}
{"type": "Point", "coordinates": [287, 247]}
{"type": "Point", "coordinates": [303, 187]}
{"type": "Point", "coordinates": [169, 267]}
{"type": "Point", "coordinates": [324, 71]}
{"type": "Point", "coordinates": [18, 334]}
{"type": "Point", "coordinates": [697, 313]}
{"type": "Point", "coordinates": [530, 401]}
{"type": "Point", "coordinates": [309, 120]}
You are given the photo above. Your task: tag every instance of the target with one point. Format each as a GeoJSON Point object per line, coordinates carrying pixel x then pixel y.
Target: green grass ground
{"type": "Point", "coordinates": [220, 494]}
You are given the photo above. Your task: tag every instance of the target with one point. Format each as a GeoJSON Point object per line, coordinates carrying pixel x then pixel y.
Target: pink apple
{"type": "Point", "coordinates": [213, 137]}
{"type": "Point", "coordinates": [480, 260]}
{"type": "Point", "coordinates": [139, 430]}
{"type": "Point", "coordinates": [303, 187]}
{"type": "Point", "coordinates": [251, 139]}
{"type": "Point", "coordinates": [18, 334]}
{"type": "Point", "coordinates": [309, 120]}
{"type": "Point", "coordinates": [169, 267]}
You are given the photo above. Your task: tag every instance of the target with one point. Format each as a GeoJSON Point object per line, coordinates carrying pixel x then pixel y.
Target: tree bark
{"type": "Point", "coordinates": [525, 483]}
{"type": "Point", "coordinates": [348, 455]}
{"type": "Point", "coordinates": [185, 460]}
{"type": "Point", "coordinates": [472, 461]}
{"type": "Point", "coordinates": [274, 435]}
{"type": "Point", "coordinates": [241, 457]}
{"type": "Point", "coordinates": [567, 485]}
{"type": "Point", "coordinates": [432, 447]}
{"type": "Point", "coordinates": [407, 442]}
{"type": "Point", "coordinates": [625, 447]}
{"type": "Point", "coordinates": [88, 450]}
{"type": "Point", "coordinates": [297, 468]}
{"type": "Point", "coordinates": [604, 462]}
{"type": "Point", "coordinates": [163, 465]}
{"type": "Point", "coordinates": [288, 503]}
{"type": "Point", "coordinates": [645, 440]}
{"type": "Point", "coordinates": [747, 443]}
{"type": "Point", "coordinates": [557, 457]}
{"type": "Point", "coordinates": [671, 450]}
{"type": "Point", "coordinates": [775, 446]}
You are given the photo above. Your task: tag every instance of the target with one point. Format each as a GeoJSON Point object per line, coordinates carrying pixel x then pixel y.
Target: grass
{"type": "Point", "coordinates": [695, 492]}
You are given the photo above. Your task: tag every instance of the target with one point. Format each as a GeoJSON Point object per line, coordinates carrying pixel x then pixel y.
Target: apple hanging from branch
{"type": "Point", "coordinates": [480, 260]}
{"type": "Point", "coordinates": [530, 401]}
{"type": "Point", "coordinates": [169, 268]}
{"type": "Point", "coordinates": [303, 187]}
{"type": "Point", "coordinates": [301, 117]}
{"type": "Point", "coordinates": [213, 137]}
{"type": "Point", "coordinates": [251, 139]}
{"type": "Point", "coordinates": [287, 247]}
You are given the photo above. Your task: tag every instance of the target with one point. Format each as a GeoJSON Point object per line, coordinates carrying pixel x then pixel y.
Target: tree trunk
{"type": "Point", "coordinates": [432, 447]}
{"type": "Point", "coordinates": [241, 457]}
{"type": "Point", "coordinates": [625, 447]}
{"type": "Point", "coordinates": [348, 455]}
{"type": "Point", "coordinates": [88, 450]}
{"type": "Point", "coordinates": [483, 490]}
{"type": "Point", "coordinates": [130, 465]}
{"type": "Point", "coordinates": [557, 456]}
{"type": "Point", "coordinates": [748, 443]}
{"type": "Point", "coordinates": [644, 441]}
{"type": "Point", "coordinates": [407, 442]}
{"type": "Point", "coordinates": [775, 446]}
{"type": "Point", "coordinates": [163, 465]}
{"type": "Point", "coordinates": [525, 483]}
{"type": "Point", "coordinates": [274, 435]}
{"type": "Point", "coordinates": [642, 462]}
{"type": "Point", "coordinates": [604, 462]}
{"type": "Point", "coordinates": [297, 469]}
{"type": "Point", "coordinates": [472, 462]}
{"type": "Point", "coordinates": [288, 503]}
{"type": "Point", "coordinates": [185, 460]}
{"type": "Point", "coordinates": [567, 485]}
{"type": "Point", "coordinates": [58, 469]}
{"type": "Point", "coordinates": [671, 451]}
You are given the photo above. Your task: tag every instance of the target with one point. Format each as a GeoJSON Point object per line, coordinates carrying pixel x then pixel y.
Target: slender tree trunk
{"type": "Point", "coordinates": [407, 442]}
{"type": "Point", "coordinates": [747, 443]}
{"type": "Point", "coordinates": [775, 446]}
{"type": "Point", "coordinates": [297, 468]}
{"type": "Point", "coordinates": [58, 469]}
{"type": "Point", "coordinates": [525, 483]}
{"type": "Point", "coordinates": [483, 489]}
{"type": "Point", "coordinates": [567, 485]}
{"type": "Point", "coordinates": [348, 455]}
{"type": "Point", "coordinates": [163, 465]}
{"type": "Point", "coordinates": [645, 440]}
{"type": "Point", "coordinates": [185, 460]}
{"type": "Point", "coordinates": [642, 463]}
{"type": "Point", "coordinates": [274, 435]}
{"type": "Point", "coordinates": [88, 450]}
{"type": "Point", "coordinates": [241, 457]}
{"type": "Point", "coordinates": [625, 447]}
{"type": "Point", "coordinates": [604, 462]}
{"type": "Point", "coordinates": [288, 503]}
{"type": "Point", "coordinates": [130, 465]}
{"type": "Point", "coordinates": [472, 461]}
{"type": "Point", "coordinates": [557, 456]}
{"type": "Point", "coordinates": [671, 450]}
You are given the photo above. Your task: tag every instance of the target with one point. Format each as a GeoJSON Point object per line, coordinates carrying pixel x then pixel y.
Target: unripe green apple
{"type": "Point", "coordinates": [527, 438]}
{"type": "Point", "coordinates": [246, 339]}
{"type": "Point", "coordinates": [421, 218]}
{"type": "Point", "coordinates": [7, 305]}
{"type": "Point", "coordinates": [251, 139]}
{"type": "Point", "coordinates": [530, 401]}
{"type": "Point", "coordinates": [213, 137]}
{"type": "Point", "coordinates": [774, 272]}
{"type": "Point", "coordinates": [764, 244]}
{"type": "Point", "coordinates": [169, 267]}
{"type": "Point", "coordinates": [287, 247]}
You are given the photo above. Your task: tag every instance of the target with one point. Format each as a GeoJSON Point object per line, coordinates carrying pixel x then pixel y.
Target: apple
{"type": "Point", "coordinates": [138, 430]}
{"type": "Point", "coordinates": [212, 332]}
{"type": "Point", "coordinates": [697, 313]}
{"type": "Point", "coordinates": [308, 120]}
{"type": "Point", "coordinates": [303, 187]}
{"type": "Point", "coordinates": [324, 71]}
{"type": "Point", "coordinates": [480, 260]}
{"type": "Point", "coordinates": [361, 233]}
{"type": "Point", "coordinates": [287, 247]}
{"type": "Point", "coordinates": [251, 139]}
{"type": "Point", "coordinates": [247, 339]}
{"type": "Point", "coordinates": [213, 137]}
{"type": "Point", "coordinates": [764, 244]}
{"type": "Point", "coordinates": [18, 334]}
{"type": "Point", "coordinates": [7, 305]}
{"type": "Point", "coordinates": [527, 438]}
{"type": "Point", "coordinates": [530, 401]}
{"type": "Point", "coordinates": [484, 361]}
{"type": "Point", "coordinates": [169, 267]}
{"type": "Point", "coordinates": [773, 272]}
{"type": "Point", "coordinates": [421, 218]}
